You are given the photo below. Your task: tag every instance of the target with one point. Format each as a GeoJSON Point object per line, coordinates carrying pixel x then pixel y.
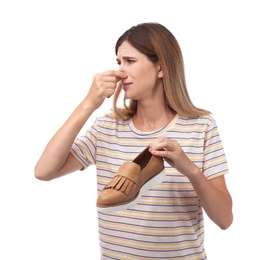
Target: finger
{"type": "Point", "coordinates": [162, 153]}
{"type": "Point", "coordinates": [109, 93]}
{"type": "Point", "coordinates": [109, 89]}
{"type": "Point", "coordinates": [110, 85]}
{"type": "Point", "coordinates": [164, 144]}
{"type": "Point", "coordinates": [121, 74]}
{"type": "Point", "coordinates": [160, 144]}
{"type": "Point", "coordinates": [116, 73]}
{"type": "Point", "coordinates": [110, 79]}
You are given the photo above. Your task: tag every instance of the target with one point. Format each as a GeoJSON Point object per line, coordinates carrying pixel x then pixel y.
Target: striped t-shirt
{"type": "Point", "coordinates": [167, 223]}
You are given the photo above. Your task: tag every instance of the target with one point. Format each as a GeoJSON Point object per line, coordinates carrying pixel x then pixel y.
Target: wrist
{"type": "Point", "coordinates": [194, 174]}
{"type": "Point", "coordinates": [88, 106]}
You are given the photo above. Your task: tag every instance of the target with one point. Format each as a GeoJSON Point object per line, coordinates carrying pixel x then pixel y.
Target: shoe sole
{"type": "Point", "coordinates": [157, 179]}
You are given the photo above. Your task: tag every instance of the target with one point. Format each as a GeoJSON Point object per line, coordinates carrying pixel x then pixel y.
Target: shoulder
{"type": "Point", "coordinates": [206, 120]}
{"type": "Point", "coordinates": [110, 123]}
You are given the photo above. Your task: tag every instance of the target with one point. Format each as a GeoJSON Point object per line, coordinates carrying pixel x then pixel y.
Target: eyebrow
{"type": "Point", "coordinates": [126, 58]}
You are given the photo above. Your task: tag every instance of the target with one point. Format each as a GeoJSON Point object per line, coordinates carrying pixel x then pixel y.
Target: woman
{"type": "Point", "coordinates": [167, 222]}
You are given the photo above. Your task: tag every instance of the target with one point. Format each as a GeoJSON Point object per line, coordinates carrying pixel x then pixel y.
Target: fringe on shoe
{"type": "Point", "coordinates": [120, 183]}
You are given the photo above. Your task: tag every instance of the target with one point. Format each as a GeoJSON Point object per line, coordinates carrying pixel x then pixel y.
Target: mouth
{"type": "Point", "coordinates": [125, 85]}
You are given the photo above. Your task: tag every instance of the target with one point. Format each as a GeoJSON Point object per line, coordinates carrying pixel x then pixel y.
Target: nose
{"type": "Point", "coordinates": [123, 70]}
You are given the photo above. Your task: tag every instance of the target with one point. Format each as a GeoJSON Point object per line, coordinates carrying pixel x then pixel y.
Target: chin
{"type": "Point", "coordinates": [126, 96]}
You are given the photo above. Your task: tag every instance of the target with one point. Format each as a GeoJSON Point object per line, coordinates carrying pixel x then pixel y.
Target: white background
{"type": "Point", "coordinates": [49, 52]}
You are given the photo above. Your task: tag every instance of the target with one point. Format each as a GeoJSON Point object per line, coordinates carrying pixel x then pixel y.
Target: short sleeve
{"type": "Point", "coordinates": [84, 147]}
{"type": "Point", "coordinates": [215, 163]}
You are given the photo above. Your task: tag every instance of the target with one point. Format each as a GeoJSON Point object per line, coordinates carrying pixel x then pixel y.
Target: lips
{"type": "Point", "coordinates": [125, 86]}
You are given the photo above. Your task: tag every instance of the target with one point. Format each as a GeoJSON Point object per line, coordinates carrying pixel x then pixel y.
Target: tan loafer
{"type": "Point", "coordinates": [130, 182]}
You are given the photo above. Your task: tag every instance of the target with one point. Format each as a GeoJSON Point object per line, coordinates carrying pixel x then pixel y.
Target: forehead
{"type": "Point", "coordinates": [126, 49]}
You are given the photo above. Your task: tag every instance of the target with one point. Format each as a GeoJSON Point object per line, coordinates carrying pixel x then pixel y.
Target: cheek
{"type": "Point", "coordinates": [143, 75]}
{"type": "Point", "coordinates": [146, 74]}
{"type": "Point", "coordinates": [150, 77]}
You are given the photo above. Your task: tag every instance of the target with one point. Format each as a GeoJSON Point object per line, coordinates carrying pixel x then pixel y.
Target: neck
{"type": "Point", "coordinates": [152, 116]}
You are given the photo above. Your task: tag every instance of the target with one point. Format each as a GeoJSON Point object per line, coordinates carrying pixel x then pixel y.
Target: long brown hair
{"type": "Point", "coordinates": [159, 45]}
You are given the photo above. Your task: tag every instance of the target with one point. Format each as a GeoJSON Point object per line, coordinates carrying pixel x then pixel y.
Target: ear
{"type": "Point", "coordinates": [160, 72]}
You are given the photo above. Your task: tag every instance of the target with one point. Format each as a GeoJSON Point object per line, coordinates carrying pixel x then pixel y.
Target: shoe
{"type": "Point", "coordinates": [131, 181]}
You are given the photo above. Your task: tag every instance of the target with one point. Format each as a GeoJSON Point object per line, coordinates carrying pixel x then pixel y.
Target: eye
{"type": "Point", "coordinates": [118, 62]}
{"type": "Point", "coordinates": [130, 61]}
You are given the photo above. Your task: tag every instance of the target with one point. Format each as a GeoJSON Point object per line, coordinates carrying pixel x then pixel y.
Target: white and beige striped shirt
{"type": "Point", "coordinates": [167, 222]}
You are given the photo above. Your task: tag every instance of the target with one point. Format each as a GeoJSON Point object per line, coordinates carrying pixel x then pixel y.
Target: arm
{"type": "Point", "coordinates": [214, 195]}
{"type": "Point", "coordinates": [56, 160]}
{"type": "Point", "coordinates": [215, 198]}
